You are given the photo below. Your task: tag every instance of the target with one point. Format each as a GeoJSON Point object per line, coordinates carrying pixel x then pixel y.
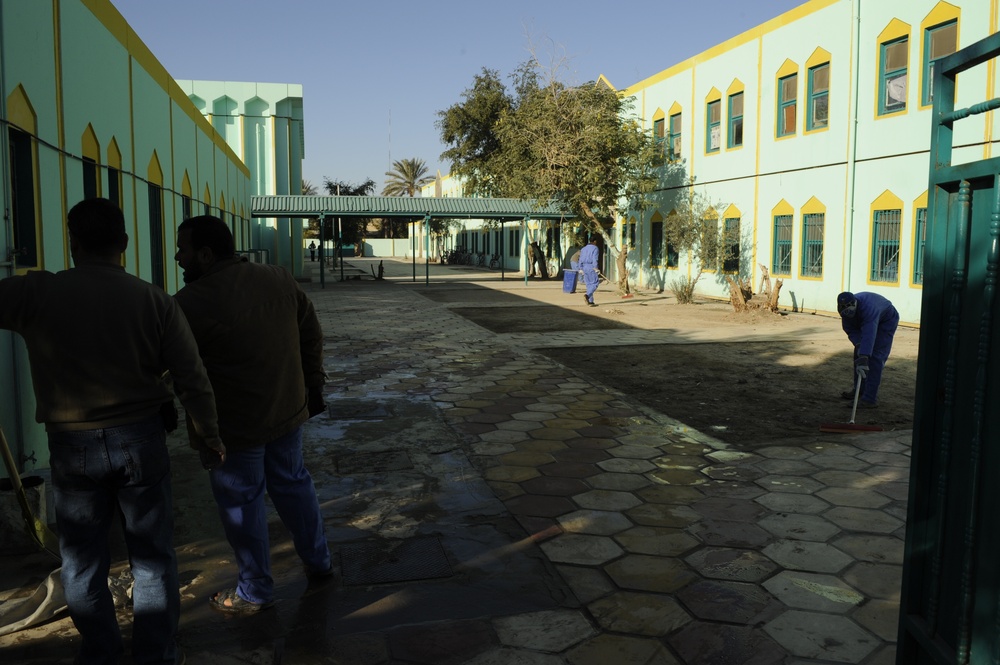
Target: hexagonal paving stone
{"type": "Point", "coordinates": [618, 481]}
{"type": "Point", "coordinates": [804, 504]}
{"type": "Point", "coordinates": [569, 469]}
{"type": "Point", "coordinates": [669, 494]}
{"type": "Point", "coordinates": [723, 600]}
{"type": "Point", "coordinates": [783, 452]}
{"type": "Point", "coordinates": [587, 584]}
{"type": "Point", "coordinates": [888, 474]}
{"type": "Point", "coordinates": [552, 433]}
{"type": "Point", "coordinates": [812, 591]}
{"type": "Point", "coordinates": [591, 444]}
{"type": "Point", "coordinates": [821, 636]}
{"type": "Point", "coordinates": [666, 515]}
{"type": "Point", "coordinates": [853, 498]}
{"type": "Point", "coordinates": [620, 650]}
{"type": "Point", "coordinates": [658, 541]}
{"type": "Point", "coordinates": [510, 474]}
{"type": "Point", "coordinates": [839, 462]}
{"type": "Point", "coordinates": [607, 500]}
{"type": "Point", "coordinates": [443, 642]}
{"type": "Point", "coordinates": [566, 423]}
{"type": "Point", "coordinates": [782, 467]}
{"type": "Point", "coordinates": [526, 458]}
{"type": "Point", "coordinates": [581, 549]}
{"type": "Point", "coordinates": [730, 490]}
{"type": "Point", "coordinates": [680, 462]}
{"type": "Point", "coordinates": [896, 491]}
{"type": "Point", "coordinates": [635, 452]}
{"type": "Point", "coordinates": [728, 509]}
{"type": "Point", "coordinates": [639, 613]}
{"type": "Point", "coordinates": [863, 519]}
{"type": "Point", "coordinates": [880, 617]}
{"type": "Point", "coordinates": [700, 643]}
{"type": "Point", "coordinates": [874, 549]}
{"type": "Point", "coordinates": [853, 479]}
{"type": "Point", "coordinates": [554, 486]}
{"type": "Point", "coordinates": [728, 563]}
{"type": "Point", "coordinates": [678, 477]}
{"type": "Point", "coordinates": [536, 416]}
{"type": "Point", "coordinates": [539, 445]}
{"type": "Point", "coordinates": [734, 473]}
{"type": "Point", "coordinates": [730, 534]}
{"type": "Point", "coordinates": [595, 522]}
{"type": "Point", "coordinates": [546, 408]}
{"type": "Point", "coordinates": [878, 458]}
{"type": "Point", "coordinates": [790, 484]}
{"type": "Point", "coordinates": [799, 527]}
{"type": "Point", "coordinates": [548, 630]}
{"type": "Point", "coordinates": [519, 425]}
{"type": "Point", "coordinates": [581, 455]}
{"type": "Point", "coordinates": [625, 465]}
{"type": "Point", "coordinates": [649, 573]}
{"type": "Point", "coordinates": [505, 490]}
{"type": "Point", "coordinates": [803, 555]}
{"type": "Point", "coordinates": [876, 580]}
{"type": "Point", "coordinates": [539, 505]}
{"type": "Point", "coordinates": [503, 436]}
{"type": "Point", "coordinates": [491, 448]}
{"type": "Point", "coordinates": [512, 656]}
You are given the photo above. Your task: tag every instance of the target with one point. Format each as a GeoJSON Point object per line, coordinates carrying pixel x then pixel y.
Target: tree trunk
{"type": "Point", "coordinates": [622, 269]}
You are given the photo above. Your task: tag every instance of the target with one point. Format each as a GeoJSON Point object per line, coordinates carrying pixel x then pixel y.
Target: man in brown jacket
{"type": "Point", "coordinates": [262, 345]}
{"type": "Point", "coordinates": [99, 341]}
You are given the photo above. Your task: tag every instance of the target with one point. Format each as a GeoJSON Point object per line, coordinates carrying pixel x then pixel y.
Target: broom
{"type": "Point", "coordinates": [35, 527]}
{"type": "Point", "coordinates": [850, 426]}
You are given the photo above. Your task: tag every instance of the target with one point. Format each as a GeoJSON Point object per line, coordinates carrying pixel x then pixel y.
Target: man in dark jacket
{"type": "Point", "coordinates": [870, 322]}
{"type": "Point", "coordinates": [262, 345]}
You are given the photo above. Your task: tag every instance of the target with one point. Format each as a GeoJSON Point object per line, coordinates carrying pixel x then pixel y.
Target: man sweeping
{"type": "Point", "coordinates": [870, 322]}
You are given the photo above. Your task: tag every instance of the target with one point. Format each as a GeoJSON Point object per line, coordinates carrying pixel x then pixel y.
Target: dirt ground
{"type": "Point", "coordinates": [745, 379]}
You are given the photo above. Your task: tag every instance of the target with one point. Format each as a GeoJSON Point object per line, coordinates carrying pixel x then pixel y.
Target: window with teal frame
{"type": "Point", "coordinates": [659, 138]}
{"type": "Point", "coordinates": [787, 88]}
{"type": "Point", "coordinates": [819, 97]}
{"type": "Point", "coordinates": [918, 250]}
{"type": "Point", "coordinates": [812, 244]}
{"type": "Point", "coordinates": [939, 41]}
{"type": "Point", "coordinates": [885, 246]}
{"type": "Point", "coordinates": [656, 244]}
{"type": "Point", "coordinates": [22, 202]}
{"type": "Point", "coordinates": [735, 134]}
{"type": "Point", "coordinates": [713, 126]}
{"type": "Point", "coordinates": [892, 74]}
{"type": "Point", "coordinates": [675, 137]}
{"type": "Point", "coordinates": [731, 245]}
{"type": "Point", "coordinates": [781, 261]}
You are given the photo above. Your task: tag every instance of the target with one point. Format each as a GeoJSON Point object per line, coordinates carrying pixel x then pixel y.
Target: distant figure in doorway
{"type": "Point", "coordinates": [588, 264]}
{"type": "Point", "coordinates": [538, 267]}
{"type": "Point", "coordinates": [312, 251]}
{"type": "Point", "coordinates": [870, 322]}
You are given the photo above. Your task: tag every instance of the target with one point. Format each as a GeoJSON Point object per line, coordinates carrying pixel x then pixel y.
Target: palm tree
{"type": "Point", "coordinates": [406, 178]}
{"type": "Point", "coordinates": [308, 189]}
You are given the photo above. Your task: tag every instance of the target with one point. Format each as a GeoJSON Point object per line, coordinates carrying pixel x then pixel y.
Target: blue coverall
{"type": "Point", "coordinates": [871, 330]}
{"type": "Point", "coordinates": [588, 263]}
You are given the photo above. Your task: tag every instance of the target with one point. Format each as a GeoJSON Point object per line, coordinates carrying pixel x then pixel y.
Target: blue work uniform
{"type": "Point", "coordinates": [588, 263]}
{"type": "Point", "coordinates": [871, 330]}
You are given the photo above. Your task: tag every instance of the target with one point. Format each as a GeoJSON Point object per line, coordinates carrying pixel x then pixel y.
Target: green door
{"type": "Point", "coordinates": [950, 610]}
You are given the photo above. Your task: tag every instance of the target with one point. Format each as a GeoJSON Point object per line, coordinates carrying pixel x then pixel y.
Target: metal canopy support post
{"type": "Point", "coordinates": [427, 249]}
{"type": "Point", "coordinates": [322, 251]}
{"type": "Point", "coordinates": [413, 248]}
{"type": "Point", "coordinates": [340, 248]}
{"type": "Point", "coordinates": [526, 248]}
{"type": "Point", "coordinates": [503, 259]}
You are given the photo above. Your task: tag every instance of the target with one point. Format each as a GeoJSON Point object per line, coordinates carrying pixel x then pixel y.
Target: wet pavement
{"type": "Point", "coordinates": [488, 506]}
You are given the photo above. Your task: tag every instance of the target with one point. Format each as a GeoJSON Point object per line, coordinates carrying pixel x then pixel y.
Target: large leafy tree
{"type": "Point", "coordinates": [406, 177]}
{"type": "Point", "coordinates": [580, 146]}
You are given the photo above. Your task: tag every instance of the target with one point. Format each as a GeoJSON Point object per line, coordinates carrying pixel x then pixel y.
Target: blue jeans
{"type": "Point", "coordinates": [239, 486]}
{"type": "Point", "coordinates": [94, 473]}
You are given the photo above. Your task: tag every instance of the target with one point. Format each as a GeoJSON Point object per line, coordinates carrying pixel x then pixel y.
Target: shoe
{"type": "Point", "coordinates": [586, 299]}
{"type": "Point", "coordinates": [592, 304]}
{"type": "Point", "coordinates": [228, 601]}
{"type": "Point", "coordinates": [867, 405]}
{"type": "Point", "coordinates": [847, 394]}
{"type": "Point", "coordinates": [319, 575]}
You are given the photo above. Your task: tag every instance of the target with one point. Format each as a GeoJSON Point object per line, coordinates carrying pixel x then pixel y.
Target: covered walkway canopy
{"type": "Point", "coordinates": [413, 208]}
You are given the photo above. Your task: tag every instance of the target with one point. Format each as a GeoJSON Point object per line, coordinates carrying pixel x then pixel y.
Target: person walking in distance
{"type": "Point", "coordinates": [99, 343]}
{"type": "Point", "coordinates": [870, 322]}
{"type": "Point", "coordinates": [262, 345]}
{"type": "Point", "coordinates": [312, 250]}
{"type": "Point", "coordinates": [588, 263]}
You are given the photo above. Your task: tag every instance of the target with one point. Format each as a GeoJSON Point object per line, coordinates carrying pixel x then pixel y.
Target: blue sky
{"type": "Point", "coordinates": [375, 73]}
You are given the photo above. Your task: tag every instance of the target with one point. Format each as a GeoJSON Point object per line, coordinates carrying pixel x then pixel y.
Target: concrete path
{"type": "Point", "coordinates": [491, 507]}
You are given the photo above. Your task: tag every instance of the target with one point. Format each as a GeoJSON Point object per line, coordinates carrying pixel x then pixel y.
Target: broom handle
{"type": "Point", "coordinates": [857, 391]}
{"type": "Point", "coordinates": [8, 460]}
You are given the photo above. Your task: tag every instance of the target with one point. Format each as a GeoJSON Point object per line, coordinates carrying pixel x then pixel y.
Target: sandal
{"type": "Point", "coordinates": [228, 601]}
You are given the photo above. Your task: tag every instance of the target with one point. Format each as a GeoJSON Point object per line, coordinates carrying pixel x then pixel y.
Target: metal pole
{"type": "Point", "coordinates": [503, 260]}
{"type": "Point", "coordinates": [413, 247]}
{"type": "Point", "coordinates": [526, 251]}
{"type": "Point", "coordinates": [427, 249]}
{"type": "Point", "coordinates": [322, 251]}
{"type": "Point", "coordinates": [340, 248]}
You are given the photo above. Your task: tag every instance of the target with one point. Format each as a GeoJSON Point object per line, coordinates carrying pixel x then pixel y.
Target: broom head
{"type": "Point", "coordinates": [848, 427]}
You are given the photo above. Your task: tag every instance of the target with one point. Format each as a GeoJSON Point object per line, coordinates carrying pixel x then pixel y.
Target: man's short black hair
{"type": "Point", "coordinates": [210, 231]}
{"type": "Point", "coordinates": [97, 224]}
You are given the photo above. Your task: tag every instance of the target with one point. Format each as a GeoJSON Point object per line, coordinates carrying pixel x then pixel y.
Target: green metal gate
{"type": "Point", "coordinates": [950, 603]}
